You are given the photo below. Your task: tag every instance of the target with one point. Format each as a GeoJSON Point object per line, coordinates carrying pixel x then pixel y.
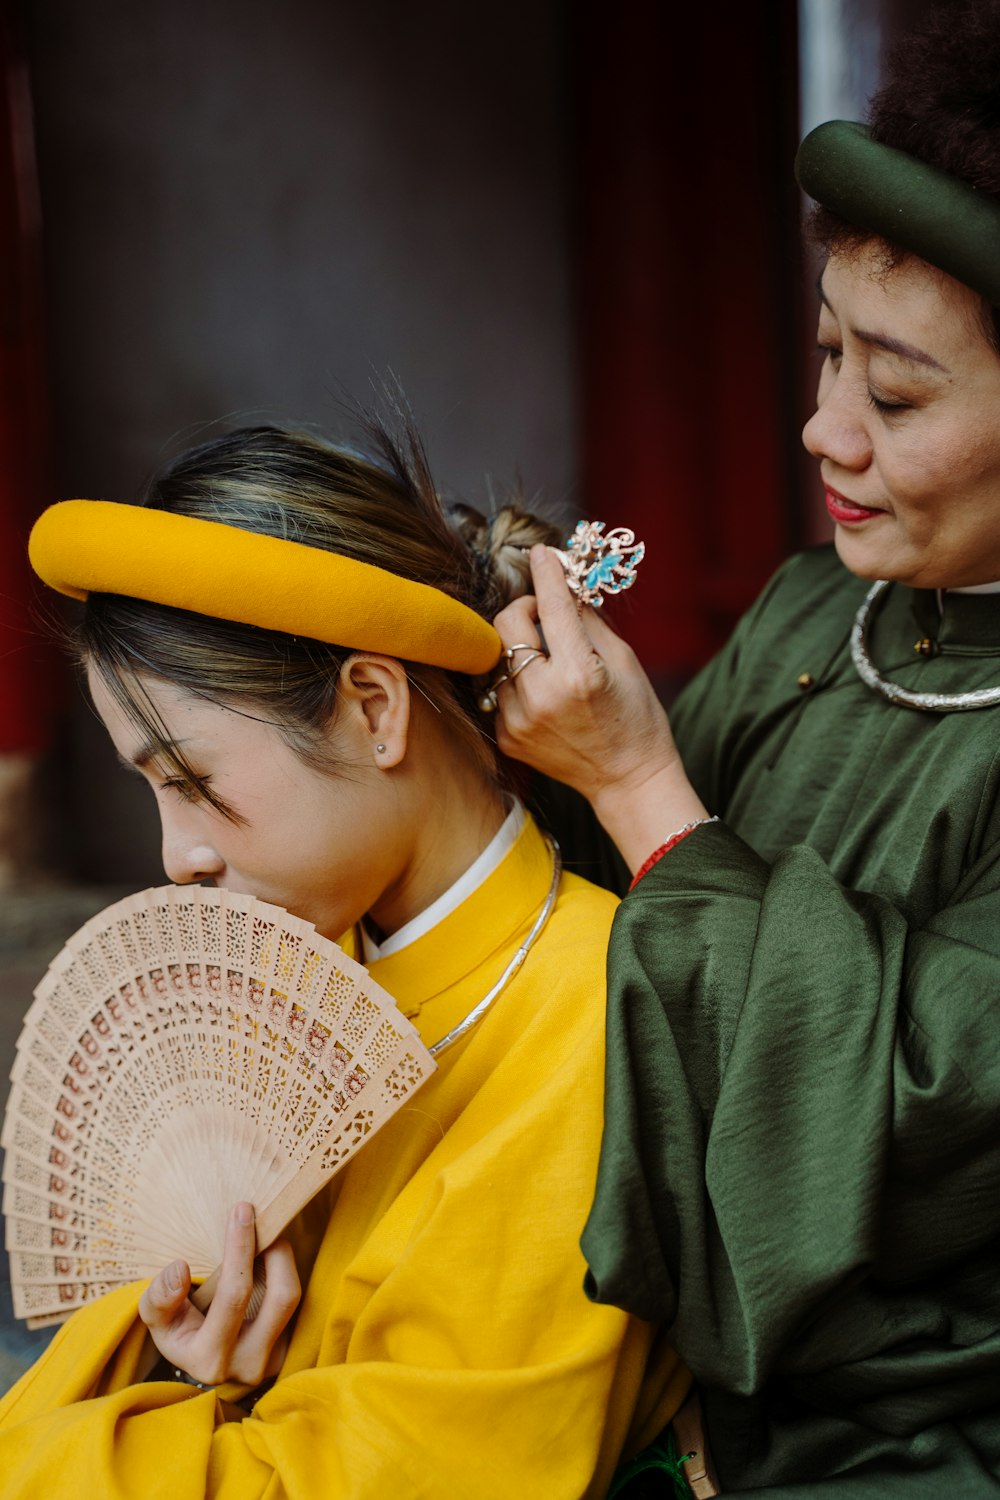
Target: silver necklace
{"type": "Point", "coordinates": [480, 1009]}
{"type": "Point", "coordinates": [934, 703]}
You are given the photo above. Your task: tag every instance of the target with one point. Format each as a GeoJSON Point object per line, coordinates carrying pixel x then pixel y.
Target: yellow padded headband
{"type": "Point", "coordinates": [81, 547]}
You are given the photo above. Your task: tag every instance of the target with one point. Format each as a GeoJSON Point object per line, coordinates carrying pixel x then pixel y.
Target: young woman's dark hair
{"type": "Point", "coordinates": [376, 504]}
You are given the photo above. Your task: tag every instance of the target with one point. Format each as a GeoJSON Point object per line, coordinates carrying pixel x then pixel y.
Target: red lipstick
{"type": "Point", "coordinates": [847, 512]}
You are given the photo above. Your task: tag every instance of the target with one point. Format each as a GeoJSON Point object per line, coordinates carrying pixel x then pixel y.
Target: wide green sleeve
{"type": "Point", "coordinates": [802, 1139]}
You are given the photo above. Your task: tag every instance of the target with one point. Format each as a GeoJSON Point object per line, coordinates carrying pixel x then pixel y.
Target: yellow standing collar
{"type": "Point", "coordinates": [82, 547]}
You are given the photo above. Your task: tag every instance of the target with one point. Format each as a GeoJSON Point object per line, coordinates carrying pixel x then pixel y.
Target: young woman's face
{"type": "Point", "coordinates": [907, 426]}
{"type": "Point", "coordinates": [327, 847]}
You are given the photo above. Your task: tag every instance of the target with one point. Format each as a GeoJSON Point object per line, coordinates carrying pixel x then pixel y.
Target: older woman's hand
{"type": "Point", "coordinates": [218, 1346]}
{"type": "Point", "coordinates": [588, 716]}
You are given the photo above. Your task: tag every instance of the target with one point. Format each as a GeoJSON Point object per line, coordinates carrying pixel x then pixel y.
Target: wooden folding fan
{"type": "Point", "coordinates": [189, 1048]}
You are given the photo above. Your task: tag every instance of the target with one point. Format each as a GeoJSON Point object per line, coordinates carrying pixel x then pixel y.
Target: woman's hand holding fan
{"type": "Point", "coordinates": [223, 1344]}
{"type": "Point", "coordinates": [189, 1050]}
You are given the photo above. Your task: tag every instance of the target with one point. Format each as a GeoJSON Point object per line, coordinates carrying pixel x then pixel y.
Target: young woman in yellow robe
{"type": "Point", "coordinates": [441, 1345]}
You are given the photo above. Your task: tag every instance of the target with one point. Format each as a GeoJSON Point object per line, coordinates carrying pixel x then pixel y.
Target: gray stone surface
{"type": "Point", "coordinates": [34, 924]}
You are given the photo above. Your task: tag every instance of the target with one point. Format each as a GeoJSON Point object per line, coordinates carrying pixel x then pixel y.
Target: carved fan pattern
{"type": "Point", "coordinates": [188, 1048]}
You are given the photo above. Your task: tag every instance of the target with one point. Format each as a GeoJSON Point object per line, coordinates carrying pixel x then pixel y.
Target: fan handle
{"type": "Point", "coordinates": [270, 1222]}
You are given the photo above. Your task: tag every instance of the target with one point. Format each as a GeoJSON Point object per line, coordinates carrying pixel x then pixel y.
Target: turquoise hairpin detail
{"type": "Point", "coordinates": [596, 563]}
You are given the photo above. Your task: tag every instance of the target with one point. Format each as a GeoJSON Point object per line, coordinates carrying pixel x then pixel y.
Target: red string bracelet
{"type": "Point", "coordinates": [675, 838]}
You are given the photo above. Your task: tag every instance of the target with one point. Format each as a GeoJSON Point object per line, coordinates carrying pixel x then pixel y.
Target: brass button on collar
{"type": "Point", "coordinates": [925, 646]}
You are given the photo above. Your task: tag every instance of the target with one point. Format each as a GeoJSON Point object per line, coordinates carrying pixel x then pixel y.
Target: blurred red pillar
{"type": "Point", "coordinates": [689, 291]}
{"type": "Point", "coordinates": [29, 670]}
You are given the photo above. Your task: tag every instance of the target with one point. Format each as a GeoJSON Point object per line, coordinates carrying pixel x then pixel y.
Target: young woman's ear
{"type": "Point", "coordinates": [375, 690]}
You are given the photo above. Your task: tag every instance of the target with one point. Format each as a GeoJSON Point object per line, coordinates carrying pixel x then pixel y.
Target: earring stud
{"type": "Point", "coordinates": [379, 749]}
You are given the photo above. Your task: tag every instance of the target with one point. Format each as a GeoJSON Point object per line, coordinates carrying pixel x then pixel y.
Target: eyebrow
{"type": "Point", "coordinates": [890, 345]}
{"type": "Point", "coordinates": [145, 752]}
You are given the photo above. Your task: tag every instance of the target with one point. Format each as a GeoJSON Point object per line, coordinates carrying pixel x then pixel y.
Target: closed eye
{"type": "Point", "coordinates": [887, 408]}
{"type": "Point", "coordinates": [189, 790]}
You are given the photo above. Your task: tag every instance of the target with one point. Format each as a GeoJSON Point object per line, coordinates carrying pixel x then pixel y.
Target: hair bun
{"type": "Point", "coordinates": [500, 545]}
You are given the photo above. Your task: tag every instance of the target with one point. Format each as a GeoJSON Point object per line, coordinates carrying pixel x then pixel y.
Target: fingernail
{"type": "Point", "coordinates": [243, 1213]}
{"type": "Point", "coordinates": [173, 1276]}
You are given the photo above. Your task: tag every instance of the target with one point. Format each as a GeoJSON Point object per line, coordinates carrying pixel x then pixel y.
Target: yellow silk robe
{"type": "Point", "coordinates": [444, 1347]}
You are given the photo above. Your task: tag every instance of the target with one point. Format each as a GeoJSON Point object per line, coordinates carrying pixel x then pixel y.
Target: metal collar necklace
{"type": "Point", "coordinates": [479, 1010]}
{"type": "Point", "coordinates": [933, 703]}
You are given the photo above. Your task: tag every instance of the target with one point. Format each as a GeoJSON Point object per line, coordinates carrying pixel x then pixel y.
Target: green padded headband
{"type": "Point", "coordinates": [947, 222]}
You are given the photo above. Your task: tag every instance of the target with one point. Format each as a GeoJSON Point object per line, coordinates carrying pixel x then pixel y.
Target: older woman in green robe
{"type": "Point", "coordinates": [801, 1165]}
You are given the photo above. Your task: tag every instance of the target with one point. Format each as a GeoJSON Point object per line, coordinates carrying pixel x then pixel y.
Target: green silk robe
{"type": "Point", "coordinates": [800, 1172]}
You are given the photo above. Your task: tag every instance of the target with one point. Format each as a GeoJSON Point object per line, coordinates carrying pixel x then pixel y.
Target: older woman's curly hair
{"type": "Point", "coordinates": [941, 103]}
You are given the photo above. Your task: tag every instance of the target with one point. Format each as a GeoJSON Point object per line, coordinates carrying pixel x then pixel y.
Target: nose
{"type": "Point", "coordinates": [187, 858]}
{"type": "Point", "coordinates": [838, 429]}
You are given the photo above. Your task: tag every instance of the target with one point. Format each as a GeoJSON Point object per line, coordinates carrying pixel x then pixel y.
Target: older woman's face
{"type": "Point", "coordinates": [907, 426]}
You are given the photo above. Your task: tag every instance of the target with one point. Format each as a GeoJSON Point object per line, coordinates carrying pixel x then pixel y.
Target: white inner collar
{"type": "Point", "coordinates": [481, 869]}
{"type": "Point", "coordinates": [970, 588]}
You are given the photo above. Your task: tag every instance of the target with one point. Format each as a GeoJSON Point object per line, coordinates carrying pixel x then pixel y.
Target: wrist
{"type": "Point", "coordinates": [166, 1369]}
{"type": "Point", "coordinates": [644, 813]}
{"type": "Point", "coordinates": [671, 843]}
